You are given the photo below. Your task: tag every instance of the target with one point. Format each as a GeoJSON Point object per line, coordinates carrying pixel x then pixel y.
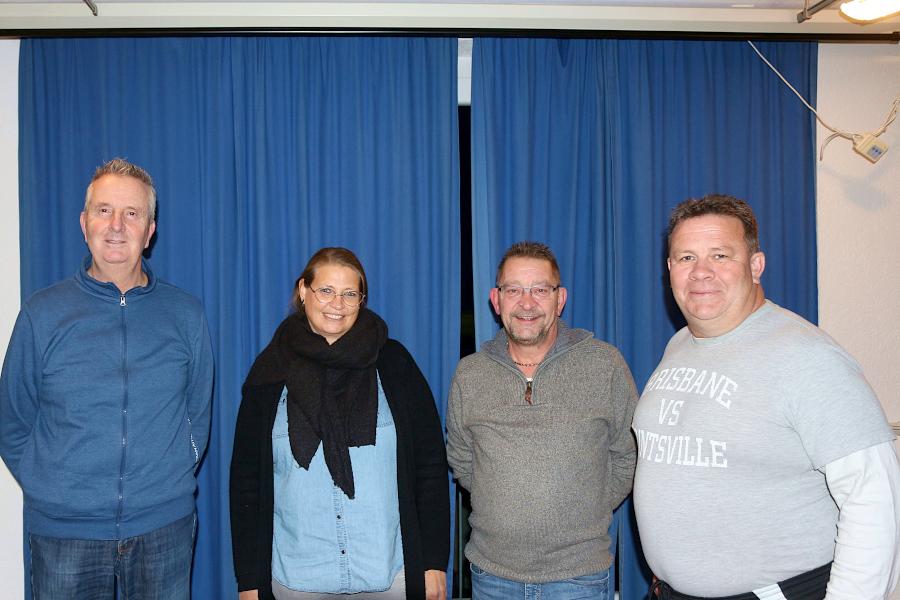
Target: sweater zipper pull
{"type": "Point", "coordinates": [122, 300]}
{"type": "Point", "coordinates": [528, 391]}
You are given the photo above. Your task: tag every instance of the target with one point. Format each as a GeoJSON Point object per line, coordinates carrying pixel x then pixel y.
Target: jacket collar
{"type": "Point", "coordinates": [108, 290]}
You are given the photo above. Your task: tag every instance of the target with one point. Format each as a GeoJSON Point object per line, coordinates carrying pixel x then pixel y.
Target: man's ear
{"type": "Point", "coordinates": [562, 294]}
{"type": "Point", "coordinates": [495, 299]}
{"type": "Point", "coordinates": [150, 234]}
{"type": "Point", "coordinates": [757, 266]}
{"type": "Point", "coordinates": [82, 220]}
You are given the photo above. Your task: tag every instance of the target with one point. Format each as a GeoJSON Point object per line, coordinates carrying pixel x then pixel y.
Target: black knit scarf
{"type": "Point", "coordinates": [332, 389]}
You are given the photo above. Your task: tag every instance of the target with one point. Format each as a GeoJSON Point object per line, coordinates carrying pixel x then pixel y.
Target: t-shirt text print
{"type": "Point", "coordinates": [698, 385]}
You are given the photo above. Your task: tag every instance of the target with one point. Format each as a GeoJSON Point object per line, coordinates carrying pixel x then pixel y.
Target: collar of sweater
{"type": "Point", "coordinates": [566, 339]}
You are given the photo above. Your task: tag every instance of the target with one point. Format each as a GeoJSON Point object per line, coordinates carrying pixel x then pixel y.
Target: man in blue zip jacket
{"type": "Point", "coordinates": [105, 410]}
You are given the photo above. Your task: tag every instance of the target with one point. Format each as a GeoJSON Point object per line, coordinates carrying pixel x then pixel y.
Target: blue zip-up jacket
{"type": "Point", "coordinates": [105, 406]}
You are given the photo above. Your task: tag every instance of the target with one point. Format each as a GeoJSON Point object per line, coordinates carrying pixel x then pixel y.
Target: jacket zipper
{"type": "Point", "coordinates": [121, 494]}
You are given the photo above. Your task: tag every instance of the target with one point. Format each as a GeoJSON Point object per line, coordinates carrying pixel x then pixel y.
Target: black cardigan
{"type": "Point", "coordinates": [422, 482]}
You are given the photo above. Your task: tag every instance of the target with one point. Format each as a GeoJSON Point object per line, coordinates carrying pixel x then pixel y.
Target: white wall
{"type": "Point", "coordinates": [858, 236]}
{"type": "Point", "coordinates": [10, 495]}
{"type": "Point", "coordinates": [858, 213]}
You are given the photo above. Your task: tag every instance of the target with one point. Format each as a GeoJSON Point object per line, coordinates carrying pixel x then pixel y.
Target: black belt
{"type": "Point", "coordinates": [805, 586]}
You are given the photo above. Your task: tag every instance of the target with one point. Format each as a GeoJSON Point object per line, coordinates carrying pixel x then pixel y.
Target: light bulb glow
{"type": "Point", "coordinates": [869, 10]}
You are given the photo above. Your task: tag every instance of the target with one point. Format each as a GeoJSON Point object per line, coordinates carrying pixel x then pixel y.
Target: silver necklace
{"type": "Point", "coordinates": [515, 362]}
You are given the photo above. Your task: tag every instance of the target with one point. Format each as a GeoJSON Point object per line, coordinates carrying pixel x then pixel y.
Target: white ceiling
{"type": "Point", "coordinates": [702, 16]}
{"type": "Point", "coordinates": [788, 4]}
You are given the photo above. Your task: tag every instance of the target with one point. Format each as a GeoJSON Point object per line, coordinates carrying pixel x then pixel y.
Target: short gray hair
{"type": "Point", "coordinates": [529, 249]}
{"type": "Point", "coordinates": [120, 166]}
{"type": "Point", "coordinates": [722, 205]}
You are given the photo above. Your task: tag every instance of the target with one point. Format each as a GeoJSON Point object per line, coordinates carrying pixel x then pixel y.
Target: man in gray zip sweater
{"type": "Point", "coordinates": [538, 432]}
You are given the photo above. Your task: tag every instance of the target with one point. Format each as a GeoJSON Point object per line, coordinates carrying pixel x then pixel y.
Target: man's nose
{"type": "Point", "coordinates": [527, 299]}
{"type": "Point", "coordinates": [118, 221]}
{"type": "Point", "coordinates": [701, 270]}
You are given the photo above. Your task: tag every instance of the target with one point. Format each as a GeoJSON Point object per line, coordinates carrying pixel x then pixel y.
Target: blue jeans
{"type": "Point", "coordinates": [152, 566]}
{"type": "Point", "coordinates": [587, 587]}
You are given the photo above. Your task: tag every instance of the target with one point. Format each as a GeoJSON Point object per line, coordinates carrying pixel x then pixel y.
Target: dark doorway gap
{"type": "Point", "coordinates": [462, 584]}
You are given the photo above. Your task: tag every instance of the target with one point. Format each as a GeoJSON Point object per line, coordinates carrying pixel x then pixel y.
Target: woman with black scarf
{"type": "Point", "coordinates": [339, 473]}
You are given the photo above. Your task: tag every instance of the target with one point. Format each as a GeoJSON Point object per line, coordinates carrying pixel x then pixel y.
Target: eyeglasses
{"type": "Point", "coordinates": [538, 292]}
{"type": "Point", "coordinates": [351, 298]}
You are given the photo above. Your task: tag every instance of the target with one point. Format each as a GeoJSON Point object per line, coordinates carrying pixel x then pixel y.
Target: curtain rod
{"type": "Point", "coordinates": [881, 38]}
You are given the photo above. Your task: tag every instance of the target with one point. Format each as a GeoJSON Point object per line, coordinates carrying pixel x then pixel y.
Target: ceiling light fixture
{"type": "Point", "coordinates": [866, 11]}
{"type": "Point", "coordinates": [808, 11]}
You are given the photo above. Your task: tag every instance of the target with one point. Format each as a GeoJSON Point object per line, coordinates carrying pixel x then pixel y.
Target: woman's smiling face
{"type": "Point", "coordinates": [331, 319]}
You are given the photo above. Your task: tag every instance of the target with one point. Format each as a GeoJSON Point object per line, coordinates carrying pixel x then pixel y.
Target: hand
{"type": "Point", "coordinates": [435, 585]}
{"type": "Point", "coordinates": [249, 595]}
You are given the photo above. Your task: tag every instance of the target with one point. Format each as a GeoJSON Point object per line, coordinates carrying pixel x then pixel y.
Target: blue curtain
{"type": "Point", "coordinates": [262, 151]}
{"type": "Point", "coordinates": [588, 144]}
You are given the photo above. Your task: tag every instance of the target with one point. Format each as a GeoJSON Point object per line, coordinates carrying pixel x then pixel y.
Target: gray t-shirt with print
{"type": "Point", "coordinates": [733, 433]}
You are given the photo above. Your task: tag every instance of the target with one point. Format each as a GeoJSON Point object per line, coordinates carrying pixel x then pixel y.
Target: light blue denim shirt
{"type": "Point", "coordinates": [323, 541]}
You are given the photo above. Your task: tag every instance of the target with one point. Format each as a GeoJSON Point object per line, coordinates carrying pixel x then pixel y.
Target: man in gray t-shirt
{"type": "Point", "coordinates": [763, 454]}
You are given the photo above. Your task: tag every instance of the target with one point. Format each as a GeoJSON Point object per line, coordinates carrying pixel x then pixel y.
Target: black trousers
{"type": "Point", "coordinates": [805, 586]}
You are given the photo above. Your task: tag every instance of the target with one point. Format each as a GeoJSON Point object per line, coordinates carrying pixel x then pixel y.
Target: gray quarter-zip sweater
{"type": "Point", "coordinates": [544, 477]}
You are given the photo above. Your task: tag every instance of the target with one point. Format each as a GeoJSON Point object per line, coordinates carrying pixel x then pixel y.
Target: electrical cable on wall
{"type": "Point", "coordinates": [867, 143]}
